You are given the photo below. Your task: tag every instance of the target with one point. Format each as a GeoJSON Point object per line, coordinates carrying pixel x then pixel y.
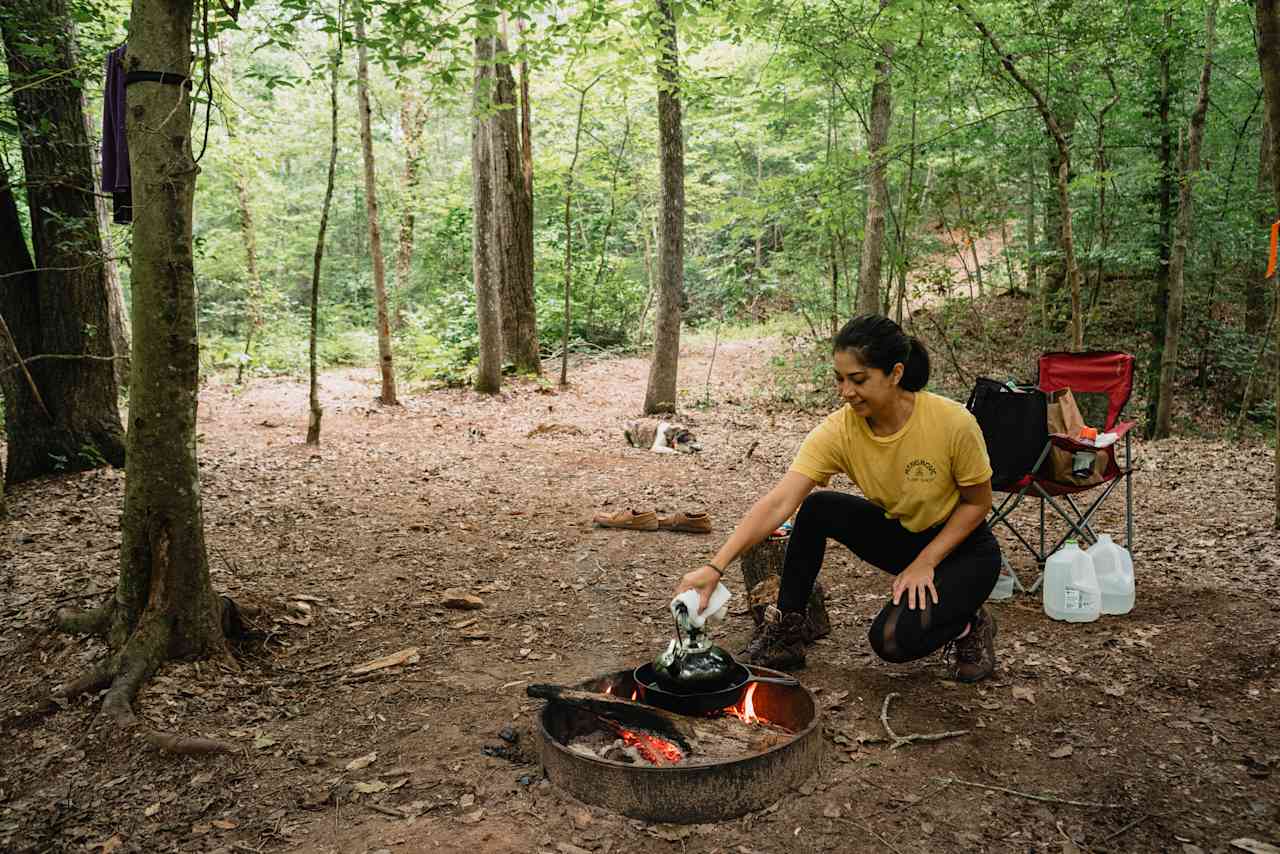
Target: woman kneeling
{"type": "Point", "coordinates": [921, 463]}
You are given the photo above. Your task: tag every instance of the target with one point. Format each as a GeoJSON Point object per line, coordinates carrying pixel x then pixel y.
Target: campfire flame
{"type": "Point", "coordinates": [746, 710]}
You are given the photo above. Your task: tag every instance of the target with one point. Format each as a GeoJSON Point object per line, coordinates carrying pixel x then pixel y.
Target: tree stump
{"type": "Point", "coordinates": [762, 573]}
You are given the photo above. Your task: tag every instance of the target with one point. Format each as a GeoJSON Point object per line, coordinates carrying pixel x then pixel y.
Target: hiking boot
{"type": "Point", "coordinates": [694, 523]}
{"type": "Point", "coordinates": [975, 653]}
{"type": "Point", "coordinates": [778, 641]}
{"type": "Point", "coordinates": [634, 520]}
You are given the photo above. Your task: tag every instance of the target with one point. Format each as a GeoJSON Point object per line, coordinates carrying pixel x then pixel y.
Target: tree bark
{"type": "Point", "coordinates": [1063, 173]}
{"type": "Point", "coordinates": [488, 307]}
{"type": "Point", "coordinates": [1268, 22]}
{"type": "Point", "coordinates": [412, 119]}
{"type": "Point", "coordinates": [660, 393]}
{"type": "Point", "coordinates": [1182, 233]}
{"type": "Point", "coordinates": [1033, 239]}
{"type": "Point", "coordinates": [526, 126]}
{"type": "Point", "coordinates": [68, 310]}
{"type": "Point", "coordinates": [512, 222]}
{"type": "Point", "coordinates": [117, 311]}
{"type": "Point", "coordinates": [877, 191]}
{"type": "Point", "coordinates": [164, 605]}
{"type": "Point", "coordinates": [1164, 193]}
{"type": "Point", "coordinates": [388, 395]}
{"type": "Point", "coordinates": [315, 410]}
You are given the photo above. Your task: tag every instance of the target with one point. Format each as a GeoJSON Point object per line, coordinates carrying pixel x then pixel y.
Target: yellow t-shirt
{"type": "Point", "coordinates": [913, 474]}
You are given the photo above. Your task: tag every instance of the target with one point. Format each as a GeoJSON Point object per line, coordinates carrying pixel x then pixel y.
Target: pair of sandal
{"type": "Point", "coordinates": [649, 520]}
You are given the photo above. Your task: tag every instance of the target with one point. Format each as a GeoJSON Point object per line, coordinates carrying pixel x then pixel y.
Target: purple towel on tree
{"type": "Point", "coordinates": [115, 147]}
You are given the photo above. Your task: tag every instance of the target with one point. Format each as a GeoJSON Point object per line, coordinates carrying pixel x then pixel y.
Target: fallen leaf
{"type": "Point", "coordinates": [1062, 752]}
{"type": "Point", "coordinates": [200, 829]}
{"type": "Point", "coordinates": [202, 778]}
{"type": "Point", "coordinates": [581, 819]}
{"type": "Point", "coordinates": [1253, 846]}
{"type": "Point", "coordinates": [114, 843]}
{"type": "Point", "coordinates": [466, 800]}
{"type": "Point", "coordinates": [370, 788]}
{"type": "Point", "coordinates": [404, 656]}
{"type": "Point", "coordinates": [569, 848]}
{"type": "Point", "coordinates": [151, 810]}
{"type": "Point", "coordinates": [1021, 692]}
{"type": "Point", "coordinates": [463, 624]}
{"type": "Point", "coordinates": [224, 824]}
{"type": "Point", "coordinates": [473, 817]}
{"type": "Point", "coordinates": [362, 761]}
{"type": "Point", "coordinates": [1114, 690]}
{"type": "Point", "coordinates": [831, 811]}
{"type": "Point", "coordinates": [263, 741]}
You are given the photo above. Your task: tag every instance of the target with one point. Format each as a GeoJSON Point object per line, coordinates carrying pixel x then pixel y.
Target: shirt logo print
{"type": "Point", "coordinates": [920, 471]}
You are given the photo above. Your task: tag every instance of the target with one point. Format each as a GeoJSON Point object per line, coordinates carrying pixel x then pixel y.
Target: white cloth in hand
{"type": "Point", "coordinates": [717, 607]}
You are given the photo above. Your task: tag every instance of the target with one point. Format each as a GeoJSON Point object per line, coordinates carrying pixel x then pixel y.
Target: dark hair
{"type": "Point", "coordinates": [881, 343]}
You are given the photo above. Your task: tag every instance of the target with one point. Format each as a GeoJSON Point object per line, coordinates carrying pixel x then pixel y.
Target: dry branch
{"type": "Point", "coordinates": [1044, 798]}
{"type": "Point", "coordinates": [900, 740]}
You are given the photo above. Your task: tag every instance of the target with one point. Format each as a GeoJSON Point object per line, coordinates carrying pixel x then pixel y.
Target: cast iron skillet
{"type": "Point", "coordinates": [698, 702]}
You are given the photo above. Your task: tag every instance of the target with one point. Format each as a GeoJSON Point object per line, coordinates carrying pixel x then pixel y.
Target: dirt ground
{"type": "Point", "coordinates": [1166, 716]}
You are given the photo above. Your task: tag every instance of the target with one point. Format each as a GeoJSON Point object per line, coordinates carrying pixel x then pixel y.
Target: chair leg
{"type": "Point", "coordinates": [1128, 496]}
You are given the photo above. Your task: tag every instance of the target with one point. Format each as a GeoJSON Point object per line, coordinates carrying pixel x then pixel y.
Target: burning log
{"type": "Point", "coordinates": [618, 709]}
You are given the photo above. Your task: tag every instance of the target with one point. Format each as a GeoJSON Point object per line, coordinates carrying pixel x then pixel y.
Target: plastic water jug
{"type": "Point", "coordinates": [1004, 585]}
{"type": "Point", "coordinates": [1071, 586]}
{"type": "Point", "coordinates": [1114, 568]}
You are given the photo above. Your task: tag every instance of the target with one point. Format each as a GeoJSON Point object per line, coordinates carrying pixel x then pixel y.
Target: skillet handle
{"type": "Point", "coordinates": [789, 681]}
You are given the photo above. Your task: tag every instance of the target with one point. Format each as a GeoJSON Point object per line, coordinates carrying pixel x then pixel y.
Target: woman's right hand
{"type": "Point", "coordinates": [704, 580]}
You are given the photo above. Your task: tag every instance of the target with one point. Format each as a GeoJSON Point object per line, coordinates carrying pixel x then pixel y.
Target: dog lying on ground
{"type": "Point", "coordinates": [661, 437]}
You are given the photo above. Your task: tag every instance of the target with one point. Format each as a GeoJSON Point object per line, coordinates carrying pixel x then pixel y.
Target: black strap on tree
{"type": "Point", "coordinates": [168, 77]}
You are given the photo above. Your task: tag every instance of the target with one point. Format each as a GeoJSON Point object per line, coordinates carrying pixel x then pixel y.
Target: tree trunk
{"type": "Point", "coordinates": [488, 307]}
{"type": "Point", "coordinates": [164, 605]}
{"type": "Point", "coordinates": [1063, 176]}
{"type": "Point", "coordinates": [313, 396]}
{"type": "Point", "coordinates": [1182, 233]}
{"type": "Point", "coordinates": [68, 311]}
{"type": "Point", "coordinates": [660, 394]}
{"type": "Point", "coordinates": [877, 190]}
{"type": "Point", "coordinates": [18, 304]}
{"type": "Point", "coordinates": [388, 395]}
{"type": "Point", "coordinates": [512, 223]}
{"type": "Point", "coordinates": [568, 238]}
{"type": "Point", "coordinates": [1056, 274]}
{"type": "Point", "coordinates": [1164, 194]}
{"type": "Point", "coordinates": [526, 127]}
{"type": "Point", "coordinates": [1255, 296]}
{"type": "Point", "coordinates": [117, 311]}
{"type": "Point", "coordinates": [1268, 18]}
{"type": "Point", "coordinates": [412, 119]}
{"type": "Point", "coordinates": [1033, 263]}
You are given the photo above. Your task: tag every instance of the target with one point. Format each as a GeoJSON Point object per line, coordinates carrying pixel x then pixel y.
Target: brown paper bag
{"type": "Point", "coordinates": [1064, 418]}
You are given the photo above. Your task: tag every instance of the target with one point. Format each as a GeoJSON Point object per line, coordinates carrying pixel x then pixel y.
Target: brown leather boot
{"type": "Point", "coordinates": [778, 641]}
{"type": "Point", "coordinates": [975, 653]}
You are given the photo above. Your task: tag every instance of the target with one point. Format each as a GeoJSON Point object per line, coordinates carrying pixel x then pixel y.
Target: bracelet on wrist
{"type": "Point", "coordinates": [718, 570]}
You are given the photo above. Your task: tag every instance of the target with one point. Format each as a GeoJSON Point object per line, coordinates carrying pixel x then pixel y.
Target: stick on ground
{"type": "Point", "coordinates": [899, 740]}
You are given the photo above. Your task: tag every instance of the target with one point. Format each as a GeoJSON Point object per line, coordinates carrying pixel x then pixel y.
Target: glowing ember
{"type": "Point", "coordinates": [656, 751]}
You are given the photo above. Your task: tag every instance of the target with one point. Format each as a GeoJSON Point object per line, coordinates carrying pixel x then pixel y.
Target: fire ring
{"type": "Point", "coordinates": [685, 793]}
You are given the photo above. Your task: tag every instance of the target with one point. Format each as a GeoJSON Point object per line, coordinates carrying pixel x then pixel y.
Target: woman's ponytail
{"type": "Point", "coordinates": [915, 370]}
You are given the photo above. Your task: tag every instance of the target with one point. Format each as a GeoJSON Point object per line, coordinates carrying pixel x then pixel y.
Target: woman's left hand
{"type": "Point", "coordinates": [914, 581]}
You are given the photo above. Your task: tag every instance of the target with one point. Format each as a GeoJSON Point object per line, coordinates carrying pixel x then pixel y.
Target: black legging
{"type": "Point", "coordinates": [963, 579]}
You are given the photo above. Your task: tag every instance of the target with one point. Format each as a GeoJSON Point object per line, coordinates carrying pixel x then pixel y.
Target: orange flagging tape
{"type": "Point", "coordinates": [1275, 237]}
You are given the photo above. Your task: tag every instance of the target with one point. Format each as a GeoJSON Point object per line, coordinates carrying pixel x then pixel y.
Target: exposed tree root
{"type": "Point", "coordinates": [123, 675]}
{"type": "Point", "coordinates": [94, 621]}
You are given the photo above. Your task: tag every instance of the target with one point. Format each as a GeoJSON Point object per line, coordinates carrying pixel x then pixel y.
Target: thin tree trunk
{"type": "Point", "coordinates": [1064, 171]}
{"type": "Point", "coordinates": [568, 235]}
{"type": "Point", "coordinates": [1164, 191]}
{"type": "Point", "coordinates": [1182, 233]}
{"type": "Point", "coordinates": [660, 394]}
{"type": "Point", "coordinates": [313, 397]}
{"type": "Point", "coordinates": [512, 222]}
{"type": "Point", "coordinates": [1033, 263]}
{"type": "Point", "coordinates": [412, 119]}
{"type": "Point", "coordinates": [388, 395]}
{"type": "Point", "coordinates": [526, 126]}
{"type": "Point", "coordinates": [1268, 22]}
{"type": "Point", "coordinates": [1255, 296]}
{"type": "Point", "coordinates": [877, 190]}
{"type": "Point", "coordinates": [1103, 230]}
{"type": "Point", "coordinates": [488, 305]}
{"type": "Point", "coordinates": [68, 311]}
{"type": "Point", "coordinates": [618, 161]}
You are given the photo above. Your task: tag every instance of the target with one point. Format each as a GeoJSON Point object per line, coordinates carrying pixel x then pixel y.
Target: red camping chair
{"type": "Point", "coordinates": [1101, 383]}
